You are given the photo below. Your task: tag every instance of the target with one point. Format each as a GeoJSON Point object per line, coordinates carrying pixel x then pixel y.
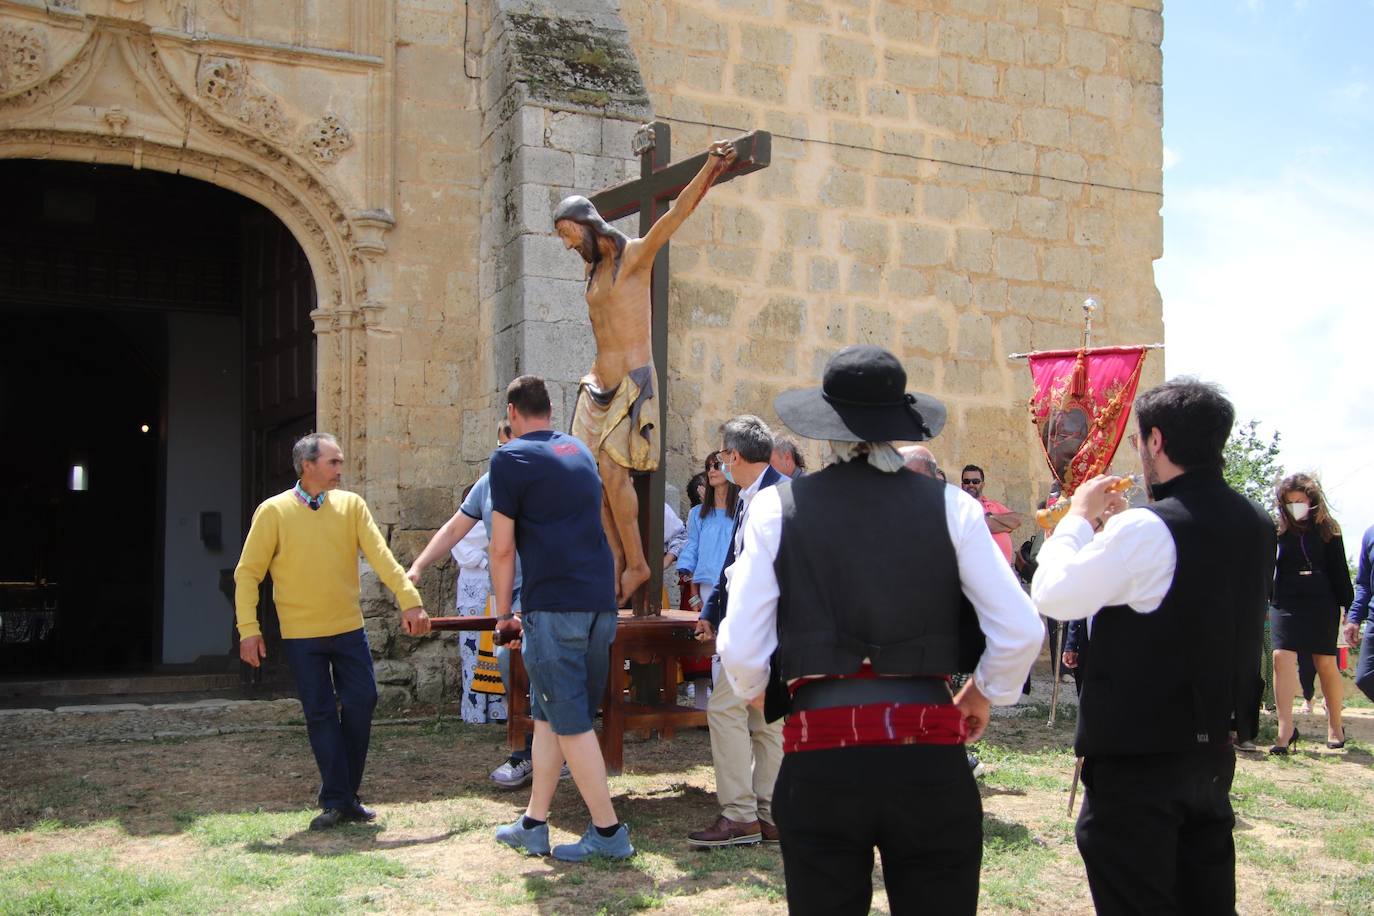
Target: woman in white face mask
{"type": "Point", "coordinates": [1311, 591]}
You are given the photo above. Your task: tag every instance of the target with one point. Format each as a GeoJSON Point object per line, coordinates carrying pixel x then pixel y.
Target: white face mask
{"type": "Point", "coordinates": [1298, 510]}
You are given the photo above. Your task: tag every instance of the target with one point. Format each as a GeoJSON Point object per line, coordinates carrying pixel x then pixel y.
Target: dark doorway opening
{"type": "Point", "coordinates": [157, 347]}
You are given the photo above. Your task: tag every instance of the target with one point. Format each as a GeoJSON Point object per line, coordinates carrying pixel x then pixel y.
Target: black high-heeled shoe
{"type": "Point", "coordinates": [1337, 745]}
{"type": "Point", "coordinates": [1282, 750]}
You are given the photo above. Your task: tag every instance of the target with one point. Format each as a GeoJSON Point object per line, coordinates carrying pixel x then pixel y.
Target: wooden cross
{"type": "Point", "coordinates": [650, 195]}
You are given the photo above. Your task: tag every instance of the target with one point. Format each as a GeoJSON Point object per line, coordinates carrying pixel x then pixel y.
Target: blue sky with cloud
{"type": "Point", "coordinates": [1269, 225]}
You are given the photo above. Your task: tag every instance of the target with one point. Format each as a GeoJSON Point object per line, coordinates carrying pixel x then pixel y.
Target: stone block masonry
{"type": "Point", "coordinates": [950, 178]}
{"type": "Point", "coordinates": [962, 176]}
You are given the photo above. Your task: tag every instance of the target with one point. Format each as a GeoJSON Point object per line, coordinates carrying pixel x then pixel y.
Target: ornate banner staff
{"type": "Point", "coordinates": [1080, 405]}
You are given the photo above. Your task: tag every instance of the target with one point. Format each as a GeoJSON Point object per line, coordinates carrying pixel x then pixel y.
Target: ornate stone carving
{"type": "Point", "coordinates": [222, 85]}
{"type": "Point", "coordinates": [23, 55]}
{"type": "Point", "coordinates": [326, 139]}
{"type": "Point", "coordinates": [55, 85]}
{"type": "Point", "coordinates": [225, 84]}
{"type": "Point", "coordinates": [115, 119]}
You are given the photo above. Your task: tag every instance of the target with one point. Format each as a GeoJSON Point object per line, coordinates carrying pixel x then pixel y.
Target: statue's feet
{"type": "Point", "coordinates": [631, 580]}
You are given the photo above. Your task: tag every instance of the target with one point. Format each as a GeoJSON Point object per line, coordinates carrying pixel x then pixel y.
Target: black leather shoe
{"type": "Point", "coordinates": [328, 819]}
{"type": "Point", "coordinates": [356, 811]}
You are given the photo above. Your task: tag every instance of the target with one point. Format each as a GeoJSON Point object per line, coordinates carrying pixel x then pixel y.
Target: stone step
{"type": "Point", "coordinates": [116, 686]}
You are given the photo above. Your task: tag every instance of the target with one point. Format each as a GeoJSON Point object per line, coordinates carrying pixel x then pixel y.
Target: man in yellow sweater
{"type": "Point", "coordinates": [308, 538]}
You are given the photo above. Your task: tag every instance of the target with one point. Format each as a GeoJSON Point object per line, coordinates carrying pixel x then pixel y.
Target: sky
{"type": "Point", "coordinates": [1269, 226]}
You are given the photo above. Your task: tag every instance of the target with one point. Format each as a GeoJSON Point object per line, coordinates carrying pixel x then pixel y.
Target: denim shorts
{"type": "Point", "coordinates": [567, 654]}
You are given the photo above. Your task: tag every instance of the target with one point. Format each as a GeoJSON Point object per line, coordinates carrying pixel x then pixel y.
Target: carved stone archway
{"type": "Point", "coordinates": [103, 91]}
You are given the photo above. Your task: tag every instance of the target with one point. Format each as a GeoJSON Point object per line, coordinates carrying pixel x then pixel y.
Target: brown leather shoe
{"type": "Point", "coordinates": [770, 832]}
{"type": "Point", "coordinates": [725, 832]}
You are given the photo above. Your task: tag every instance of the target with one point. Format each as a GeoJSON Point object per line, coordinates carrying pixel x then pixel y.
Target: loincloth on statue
{"type": "Point", "coordinates": [623, 423]}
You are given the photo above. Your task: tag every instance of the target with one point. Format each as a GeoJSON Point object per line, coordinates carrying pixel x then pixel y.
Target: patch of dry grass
{"type": "Point", "coordinates": [219, 825]}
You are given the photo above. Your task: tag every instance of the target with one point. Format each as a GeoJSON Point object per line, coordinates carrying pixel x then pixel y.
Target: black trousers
{"type": "Point", "coordinates": [1155, 833]}
{"type": "Point", "coordinates": [1247, 719]}
{"type": "Point", "coordinates": [917, 804]}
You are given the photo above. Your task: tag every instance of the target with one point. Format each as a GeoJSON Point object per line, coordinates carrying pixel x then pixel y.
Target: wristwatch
{"type": "Point", "coordinates": [510, 616]}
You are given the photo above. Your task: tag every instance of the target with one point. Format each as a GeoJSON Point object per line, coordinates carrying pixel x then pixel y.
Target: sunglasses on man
{"type": "Point", "coordinates": [971, 480]}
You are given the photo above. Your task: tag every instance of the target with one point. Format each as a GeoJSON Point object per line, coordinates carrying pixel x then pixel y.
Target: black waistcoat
{"type": "Point", "coordinates": [866, 569]}
{"type": "Point", "coordinates": [1170, 680]}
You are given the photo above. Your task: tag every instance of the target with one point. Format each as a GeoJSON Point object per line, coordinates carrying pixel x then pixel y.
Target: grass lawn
{"type": "Point", "coordinates": [218, 825]}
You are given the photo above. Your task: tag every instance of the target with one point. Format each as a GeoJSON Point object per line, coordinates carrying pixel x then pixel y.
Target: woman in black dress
{"type": "Point", "coordinates": [1311, 591]}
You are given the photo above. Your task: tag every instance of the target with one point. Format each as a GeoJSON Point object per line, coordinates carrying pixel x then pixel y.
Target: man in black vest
{"type": "Point", "coordinates": [746, 750]}
{"type": "Point", "coordinates": [1175, 593]}
{"type": "Point", "coordinates": [854, 575]}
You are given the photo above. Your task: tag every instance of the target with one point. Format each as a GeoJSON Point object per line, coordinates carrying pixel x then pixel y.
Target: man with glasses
{"type": "Point", "coordinates": [1001, 520]}
{"type": "Point", "coordinates": [745, 748]}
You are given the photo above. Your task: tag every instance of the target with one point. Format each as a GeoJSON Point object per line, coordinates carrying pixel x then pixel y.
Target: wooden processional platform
{"type": "Point", "coordinates": [662, 638]}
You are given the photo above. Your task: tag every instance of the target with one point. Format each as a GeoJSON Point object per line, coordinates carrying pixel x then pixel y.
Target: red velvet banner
{"type": "Point", "coordinates": [1081, 402]}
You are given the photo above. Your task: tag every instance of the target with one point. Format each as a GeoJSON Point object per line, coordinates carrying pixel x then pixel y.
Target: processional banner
{"type": "Point", "coordinates": [1081, 402]}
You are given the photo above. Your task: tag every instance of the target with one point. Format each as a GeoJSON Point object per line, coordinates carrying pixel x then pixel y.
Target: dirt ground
{"type": "Point", "coordinates": [219, 823]}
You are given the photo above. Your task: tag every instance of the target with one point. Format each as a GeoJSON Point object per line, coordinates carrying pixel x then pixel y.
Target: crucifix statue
{"type": "Point", "coordinates": [620, 402]}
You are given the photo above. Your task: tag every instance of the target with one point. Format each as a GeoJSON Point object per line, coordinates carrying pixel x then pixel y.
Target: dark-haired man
{"type": "Point", "coordinates": [617, 413]}
{"type": "Point", "coordinates": [546, 504]}
{"type": "Point", "coordinates": [1000, 519]}
{"type": "Point", "coordinates": [1174, 597]}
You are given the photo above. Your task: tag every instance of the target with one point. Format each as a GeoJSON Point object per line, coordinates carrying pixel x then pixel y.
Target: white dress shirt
{"type": "Point", "coordinates": [748, 635]}
{"type": "Point", "coordinates": [1131, 561]}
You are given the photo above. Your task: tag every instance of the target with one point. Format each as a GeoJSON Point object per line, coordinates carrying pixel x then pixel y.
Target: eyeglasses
{"type": "Point", "coordinates": [713, 465]}
{"type": "Point", "coordinates": [971, 480]}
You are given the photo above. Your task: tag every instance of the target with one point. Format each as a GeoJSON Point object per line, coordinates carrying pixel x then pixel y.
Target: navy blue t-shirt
{"type": "Point", "coordinates": [548, 483]}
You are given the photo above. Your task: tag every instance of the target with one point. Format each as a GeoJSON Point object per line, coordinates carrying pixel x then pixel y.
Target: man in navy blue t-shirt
{"type": "Point", "coordinates": [546, 500]}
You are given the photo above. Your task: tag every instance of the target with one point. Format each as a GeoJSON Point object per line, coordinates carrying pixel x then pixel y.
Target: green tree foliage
{"type": "Point", "coordinates": [1252, 464]}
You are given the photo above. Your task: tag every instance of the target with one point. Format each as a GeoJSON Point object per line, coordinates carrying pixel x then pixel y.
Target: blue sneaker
{"type": "Point", "coordinates": [533, 842]}
{"type": "Point", "coordinates": [592, 843]}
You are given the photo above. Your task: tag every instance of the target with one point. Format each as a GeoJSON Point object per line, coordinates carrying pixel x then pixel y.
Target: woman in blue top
{"type": "Point", "coordinates": [709, 527]}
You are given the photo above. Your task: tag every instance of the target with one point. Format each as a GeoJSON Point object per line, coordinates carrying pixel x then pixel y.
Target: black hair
{"type": "Point", "coordinates": [1193, 417]}
{"type": "Point", "coordinates": [529, 397]}
{"type": "Point", "coordinates": [972, 467]}
{"type": "Point", "coordinates": [698, 479]}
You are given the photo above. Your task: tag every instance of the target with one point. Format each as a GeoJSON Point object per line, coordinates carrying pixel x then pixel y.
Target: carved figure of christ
{"type": "Point", "coordinates": [617, 413]}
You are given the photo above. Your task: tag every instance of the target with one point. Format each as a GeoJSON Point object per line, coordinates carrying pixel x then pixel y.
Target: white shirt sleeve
{"type": "Point", "coordinates": [1131, 561]}
{"type": "Point", "coordinates": [749, 633]}
{"type": "Point", "coordinates": [671, 523]}
{"type": "Point", "coordinates": [1005, 615]}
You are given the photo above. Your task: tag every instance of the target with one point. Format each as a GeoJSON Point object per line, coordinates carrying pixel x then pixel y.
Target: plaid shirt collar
{"type": "Point", "coordinates": [314, 502]}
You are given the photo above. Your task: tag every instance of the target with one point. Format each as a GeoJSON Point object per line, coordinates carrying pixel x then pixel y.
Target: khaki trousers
{"type": "Point", "coordinates": [746, 752]}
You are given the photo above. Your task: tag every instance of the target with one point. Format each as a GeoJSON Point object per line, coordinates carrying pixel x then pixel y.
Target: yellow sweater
{"type": "Point", "coordinates": [312, 555]}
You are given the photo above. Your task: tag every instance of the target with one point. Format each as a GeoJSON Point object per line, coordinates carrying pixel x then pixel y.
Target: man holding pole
{"type": "Point", "coordinates": [1171, 593]}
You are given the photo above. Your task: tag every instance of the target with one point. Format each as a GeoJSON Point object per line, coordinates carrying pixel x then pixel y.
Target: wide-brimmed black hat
{"type": "Point", "coordinates": [862, 398]}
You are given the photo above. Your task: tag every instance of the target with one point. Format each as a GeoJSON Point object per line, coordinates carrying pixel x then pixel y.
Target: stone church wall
{"type": "Point", "coordinates": [950, 178]}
